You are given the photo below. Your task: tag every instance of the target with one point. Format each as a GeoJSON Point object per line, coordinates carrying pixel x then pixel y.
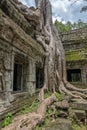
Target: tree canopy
{"type": "Point", "coordinates": [61, 27]}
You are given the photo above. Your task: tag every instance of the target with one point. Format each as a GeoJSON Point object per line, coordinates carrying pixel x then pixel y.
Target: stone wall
{"type": "Point", "coordinates": [17, 47]}
{"type": "Point", "coordinates": [75, 45]}
{"type": "Point", "coordinates": [74, 35]}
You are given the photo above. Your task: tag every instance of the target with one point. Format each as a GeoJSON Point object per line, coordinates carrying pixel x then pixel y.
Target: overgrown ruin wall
{"type": "Point", "coordinates": [75, 45]}
{"type": "Point", "coordinates": [19, 53]}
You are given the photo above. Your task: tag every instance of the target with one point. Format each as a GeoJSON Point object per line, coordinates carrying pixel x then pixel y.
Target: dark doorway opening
{"type": "Point", "coordinates": [17, 82]}
{"type": "Point", "coordinates": [74, 75]}
{"type": "Point", "coordinates": [39, 77]}
{"type": "Point", "coordinates": [1, 83]}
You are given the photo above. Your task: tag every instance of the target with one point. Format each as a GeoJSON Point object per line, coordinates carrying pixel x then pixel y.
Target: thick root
{"type": "Point", "coordinates": [29, 121]}
{"type": "Point", "coordinates": [72, 88]}
{"type": "Point", "coordinates": [42, 91]}
{"type": "Point", "coordinates": [66, 91]}
{"type": "Point", "coordinates": [69, 89]}
{"type": "Point", "coordinates": [80, 94]}
{"type": "Point", "coordinates": [76, 93]}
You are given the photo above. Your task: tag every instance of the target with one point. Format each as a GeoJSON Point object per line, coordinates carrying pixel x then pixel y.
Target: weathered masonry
{"type": "Point", "coordinates": [75, 44]}
{"type": "Point", "coordinates": [21, 57]}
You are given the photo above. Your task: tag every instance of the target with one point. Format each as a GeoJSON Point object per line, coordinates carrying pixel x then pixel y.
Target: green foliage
{"type": "Point", "coordinates": [38, 127]}
{"type": "Point", "coordinates": [26, 109]}
{"type": "Point", "coordinates": [59, 96]}
{"type": "Point", "coordinates": [48, 113]}
{"type": "Point", "coordinates": [69, 26]}
{"type": "Point", "coordinates": [81, 24]}
{"type": "Point", "coordinates": [34, 106]}
{"type": "Point", "coordinates": [7, 120]}
{"type": "Point", "coordinates": [47, 94]}
{"type": "Point", "coordinates": [78, 127]}
{"type": "Point", "coordinates": [57, 113]}
{"type": "Point", "coordinates": [46, 122]}
{"type": "Point", "coordinates": [75, 127]}
{"type": "Point", "coordinates": [61, 27]}
{"type": "Point", "coordinates": [76, 124]}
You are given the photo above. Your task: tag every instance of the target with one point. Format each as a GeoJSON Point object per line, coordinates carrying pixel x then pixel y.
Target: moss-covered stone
{"type": "Point", "coordinates": [76, 55]}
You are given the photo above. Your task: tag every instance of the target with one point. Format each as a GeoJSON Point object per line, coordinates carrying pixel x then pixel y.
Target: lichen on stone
{"type": "Point", "coordinates": [76, 55]}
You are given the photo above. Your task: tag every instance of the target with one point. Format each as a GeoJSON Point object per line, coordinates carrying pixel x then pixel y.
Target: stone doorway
{"type": "Point", "coordinates": [18, 77]}
{"type": "Point", "coordinates": [1, 83]}
{"type": "Point", "coordinates": [39, 77]}
{"type": "Point", "coordinates": [74, 75]}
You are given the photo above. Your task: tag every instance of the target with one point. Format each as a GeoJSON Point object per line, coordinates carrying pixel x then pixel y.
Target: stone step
{"type": "Point", "coordinates": [60, 124]}
{"type": "Point", "coordinates": [20, 94]}
{"type": "Point", "coordinates": [80, 114]}
{"type": "Point", "coordinates": [79, 104]}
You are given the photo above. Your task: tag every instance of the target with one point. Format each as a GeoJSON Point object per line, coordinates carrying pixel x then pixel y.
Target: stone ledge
{"type": "Point", "coordinates": [80, 104]}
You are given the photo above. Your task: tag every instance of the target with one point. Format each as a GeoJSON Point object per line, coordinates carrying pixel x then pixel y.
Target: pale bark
{"type": "Point", "coordinates": [29, 121]}
{"type": "Point", "coordinates": [55, 68]}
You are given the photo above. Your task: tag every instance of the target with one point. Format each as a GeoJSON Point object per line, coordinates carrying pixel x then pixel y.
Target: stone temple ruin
{"type": "Point", "coordinates": [21, 57]}
{"type": "Point", "coordinates": [75, 45]}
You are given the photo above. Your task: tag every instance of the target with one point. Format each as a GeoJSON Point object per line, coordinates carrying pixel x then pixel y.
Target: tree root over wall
{"type": "Point", "coordinates": [29, 121]}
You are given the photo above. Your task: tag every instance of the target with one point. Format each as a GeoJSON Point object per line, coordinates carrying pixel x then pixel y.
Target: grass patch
{"type": "Point", "coordinates": [7, 120]}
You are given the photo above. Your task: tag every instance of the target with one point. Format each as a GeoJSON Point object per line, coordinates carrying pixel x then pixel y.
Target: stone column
{"type": "Point", "coordinates": [84, 75]}
{"type": "Point", "coordinates": [12, 70]}
{"type": "Point", "coordinates": [8, 77]}
{"type": "Point", "coordinates": [31, 77]}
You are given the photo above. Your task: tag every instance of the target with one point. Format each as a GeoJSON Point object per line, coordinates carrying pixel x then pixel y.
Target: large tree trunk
{"type": "Point", "coordinates": [55, 67]}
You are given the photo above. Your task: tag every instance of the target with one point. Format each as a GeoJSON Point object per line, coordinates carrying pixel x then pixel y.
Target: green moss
{"type": "Point", "coordinates": [75, 55]}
